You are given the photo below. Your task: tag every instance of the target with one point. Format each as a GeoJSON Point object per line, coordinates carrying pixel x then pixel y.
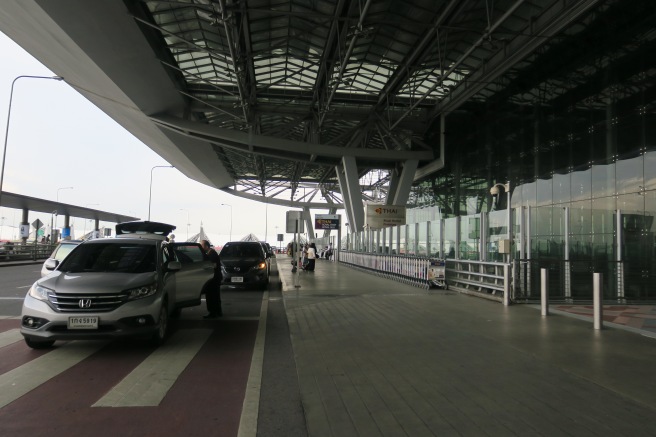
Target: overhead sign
{"type": "Point", "coordinates": [326, 221]}
{"type": "Point", "coordinates": [379, 216]}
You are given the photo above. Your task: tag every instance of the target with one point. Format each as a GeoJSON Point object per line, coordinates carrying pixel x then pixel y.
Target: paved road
{"type": "Point", "coordinates": [232, 376]}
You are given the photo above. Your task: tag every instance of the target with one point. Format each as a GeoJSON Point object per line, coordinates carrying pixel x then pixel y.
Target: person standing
{"type": "Point", "coordinates": [311, 257]}
{"type": "Point", "coordinates": [213, 290]}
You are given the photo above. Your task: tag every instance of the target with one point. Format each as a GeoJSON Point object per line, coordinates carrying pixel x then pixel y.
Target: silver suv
{"type": "Point", "coordinates": [128, 285]}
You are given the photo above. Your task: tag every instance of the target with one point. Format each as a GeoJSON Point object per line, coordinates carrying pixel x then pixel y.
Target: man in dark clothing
{"type": "Point", "coordinates": [213, 290]}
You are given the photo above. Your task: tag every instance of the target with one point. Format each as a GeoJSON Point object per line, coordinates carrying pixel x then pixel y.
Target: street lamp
{"type": "Point", "coordinates": [225, 204]}
{"type": "Point", "coordinates": [182, 209]}
{"type": "Point", "coordinates": [150, 195]}
{"type": "Point", "coordinates": [11, 96]}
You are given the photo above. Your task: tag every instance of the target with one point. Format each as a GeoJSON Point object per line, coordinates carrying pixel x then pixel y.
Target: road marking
{"type": "Point", "coordinates": [149, 382]}
{"type": "Point", "coordinates": [23, 379]}
{"type": "Point", "coordinates": [24, 286]}
{"type": "Point", "coordinates": [9, 337]}
{"type": "Point", "coordinates": [12, 298]}
{"type": "Point", "coordinates": [251, 405]}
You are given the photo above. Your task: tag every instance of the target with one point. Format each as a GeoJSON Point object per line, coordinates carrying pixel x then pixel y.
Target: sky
{"type": "Point", "coordinates": [57, 139]}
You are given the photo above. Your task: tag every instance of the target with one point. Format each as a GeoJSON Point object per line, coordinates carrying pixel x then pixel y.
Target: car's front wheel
{"type": "Point", "coordinates": [159, 337]}
{"type": "Point", "coordinates": [36, 344]}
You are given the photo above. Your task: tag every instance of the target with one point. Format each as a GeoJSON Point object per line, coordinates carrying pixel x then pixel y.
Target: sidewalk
{"type": "Point", "coordinates": [376, 357]}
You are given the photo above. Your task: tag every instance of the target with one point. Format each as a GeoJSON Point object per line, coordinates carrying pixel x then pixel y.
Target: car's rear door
{"type": "Point", "coordinates": [196, 271]}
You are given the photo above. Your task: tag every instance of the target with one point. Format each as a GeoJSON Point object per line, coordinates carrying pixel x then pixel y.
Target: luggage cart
{"type": "Point", "coordinates": [437, 273]}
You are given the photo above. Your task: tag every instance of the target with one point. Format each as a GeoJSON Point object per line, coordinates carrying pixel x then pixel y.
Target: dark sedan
{"type": "Point", "coordinates": [244, 263]}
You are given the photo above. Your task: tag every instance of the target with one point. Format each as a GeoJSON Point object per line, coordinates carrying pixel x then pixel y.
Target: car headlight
{"type": "Point", "coordinates": [260, 266]}
{"type": "Point", "coordinates": [141, 292]}
{"type": "Point", "coordinates": [39, 292]}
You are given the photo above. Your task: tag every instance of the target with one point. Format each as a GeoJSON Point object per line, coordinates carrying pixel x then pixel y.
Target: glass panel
{"type": "Point", "coordinates": [422, 239]}
{"type": "Point", "coordinates": [542, 217]}
{"type": "Point", "coordinates": [603, 215]}
{"type": "Point", "coordinates": [581, 218]}
{"type": "Point", "coordinates": [394, 232]}
{"type": "Point", "coordinates": [561, 188]}
{"type": "Point", "coordinates": [470, 234]}
{"type": "Point", "coordinates": [581, 185]}
{"type": "Point", "coordinates": [497, 230]}
{"type": "Point", "coordinates": [411, 238]}
{"type": "Point", "coordinates": [435, 238]}
{"type": "Point", "coordinates": [403, 250]}
{"type": "Point", "coordinates": [544, 192]}
{"type": "Point", "coordinates": [450, 237]}
{"type": "Point", "coordinates": [650, 170]}
{"type": "Point", "coordinates": [603, 180]}
{"type": "Point", "coordinates": [629, 175]}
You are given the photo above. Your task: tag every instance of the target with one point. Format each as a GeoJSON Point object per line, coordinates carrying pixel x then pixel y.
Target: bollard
{"type": "Point", "coordinates": [597, 294]}
{"type": "Point", "coordinates": [506, 285]}
{"type": "Point", "coordinates": [544, 291]}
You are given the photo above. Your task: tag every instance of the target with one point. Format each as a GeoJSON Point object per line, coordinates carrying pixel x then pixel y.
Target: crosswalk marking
{"type": "Point", "coordinates": [22, 380]}
{"type": "Point", "coordinates": [9, 337]}
{"type": "Point", "coordinates": [147, 384]}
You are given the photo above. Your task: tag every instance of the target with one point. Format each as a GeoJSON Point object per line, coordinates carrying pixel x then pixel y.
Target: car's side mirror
{"type": "Point", "coordinates": [51, 264]}
{"type": "Point", "coordinates": [174, 266]}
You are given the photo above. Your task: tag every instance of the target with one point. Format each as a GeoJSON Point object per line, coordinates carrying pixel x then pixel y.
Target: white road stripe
{"type": "Point", "coordinates": [11, 298]}
{"type": "Point", "coordinates": [9, 337]}
{"type": "Point", "coordinates": [251, 405]}
{"type": "Point", "coordinates": [147, 385]}
{"type": "Point", "coordinates": [23, 379]}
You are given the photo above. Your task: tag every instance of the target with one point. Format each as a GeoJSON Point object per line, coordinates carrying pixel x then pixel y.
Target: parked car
{"type": "Point", "coordinates": [128, 285]}
{"type": "Point", "coordinates": [61, 251]}
{"type": "Point", "coordinates": [244, 263]}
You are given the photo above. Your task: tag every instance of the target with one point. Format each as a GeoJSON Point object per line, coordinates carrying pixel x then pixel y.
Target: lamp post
{"type": "Point", "coordinates": [225, 204]}
{"type": "Point", "coordinates": [150, 194]}
{"type": "Point", "coordinates": [182, 209]}
{"type": "Point", "coordinates": [11, 96]}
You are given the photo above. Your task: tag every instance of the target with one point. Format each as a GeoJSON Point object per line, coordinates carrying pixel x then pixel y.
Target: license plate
{"type": "Point", "coordinates": [237, 279]}
{"type": "Point", "coordinates": [83, 322]}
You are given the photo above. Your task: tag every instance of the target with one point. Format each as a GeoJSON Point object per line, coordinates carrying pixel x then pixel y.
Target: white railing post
{"type": "Point", "coordinates": [544, 292]}
{"type": "Point", "coordinates": [597, 290]}
{"type": "Point", "coordinates": [506, 285]}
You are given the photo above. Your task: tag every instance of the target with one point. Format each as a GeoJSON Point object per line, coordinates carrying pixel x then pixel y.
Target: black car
{"type": "Point", "coordinates": [244, 263]}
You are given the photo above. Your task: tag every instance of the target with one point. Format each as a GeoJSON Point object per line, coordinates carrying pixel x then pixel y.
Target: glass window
{"type": "Point", "coordinates": [603, 180]}
{"type": "Point", "coordinates": [450, 237]}
{"type": "Point", "coordinates": [580, 218]}
{"type": "Point", "coordinates": [394, 232]}
{"type": "Point", "coordinates": [470, 234]}
{"type": "Point", "coordinates": [650, 170]}
{"type": "Point", "coordinates": [411, 239]}
{"type": "Point", "coordinates": [603, 215]}
{"type": "Point", "coordinates": [435, 237]}
{"type": "Point", "coordinates": [581, 185]}
{"type": "Point", "coordinates": [111, 257]}
{"type": "Point", "coordinates": [629, 175]}
{"type": "Point", "coordinates": [422, 239]}
{"type": "Point", "coordinates": [544, 192]}
{"type": "Point", "coordinates": [561, 188]}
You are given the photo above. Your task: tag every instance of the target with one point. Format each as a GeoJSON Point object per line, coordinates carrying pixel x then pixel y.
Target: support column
{"type": "Point", "coordinates": [339, 170]}
{"type": "Point", "coordinates": [67, 225]}
{"type": "Point", "coordinates": [354, 194]}
{"type": "Point", "coordinates": [24, 221]}
{"type": "Point", "coordinates": [405, 182]}
{"type": "Point", "coordinates": [309, 224]}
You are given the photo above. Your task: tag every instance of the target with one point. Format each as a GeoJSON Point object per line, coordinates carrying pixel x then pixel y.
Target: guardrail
{"type": "Point", "coordinates": [490, 280]}
{"type": "Point", "coordinates": [407, 269]}
{"type": "Point", "coordinates": [25, 252]}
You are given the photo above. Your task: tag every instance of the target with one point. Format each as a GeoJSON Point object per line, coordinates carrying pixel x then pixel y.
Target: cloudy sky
{"type": "Point", "coordinates": [57, 139]}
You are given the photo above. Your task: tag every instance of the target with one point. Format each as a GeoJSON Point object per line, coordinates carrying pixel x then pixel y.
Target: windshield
{"type": "Point", "coordinates": [242, 251]}
{"type": "Point", "coordinates": [64, 250]}
{"type": "Point", "coordinates": [108, 257]}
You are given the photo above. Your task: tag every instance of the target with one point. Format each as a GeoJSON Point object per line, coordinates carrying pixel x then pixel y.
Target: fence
{"type": "Point", "coordinates": [484, 279]}
{"type": "Point", "coordinates": [407, 269]}
{"type": "Point", "coordinates": [25, 252]}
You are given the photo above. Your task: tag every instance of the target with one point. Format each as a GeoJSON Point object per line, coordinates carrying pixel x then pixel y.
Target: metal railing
{"type": "Point", "coordinates": [410, 270]}
{"type": "Point", "coordinates": [490, 280]}
{"type": "Point", "coordinates": [25, 252]}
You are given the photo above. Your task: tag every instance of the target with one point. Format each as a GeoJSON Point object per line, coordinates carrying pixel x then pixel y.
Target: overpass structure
{"type": "Point", "coordinates": [310, 104]}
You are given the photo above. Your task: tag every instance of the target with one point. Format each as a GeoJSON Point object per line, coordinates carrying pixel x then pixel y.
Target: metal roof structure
{"type": "Point", "coordinates": [263, 98]}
